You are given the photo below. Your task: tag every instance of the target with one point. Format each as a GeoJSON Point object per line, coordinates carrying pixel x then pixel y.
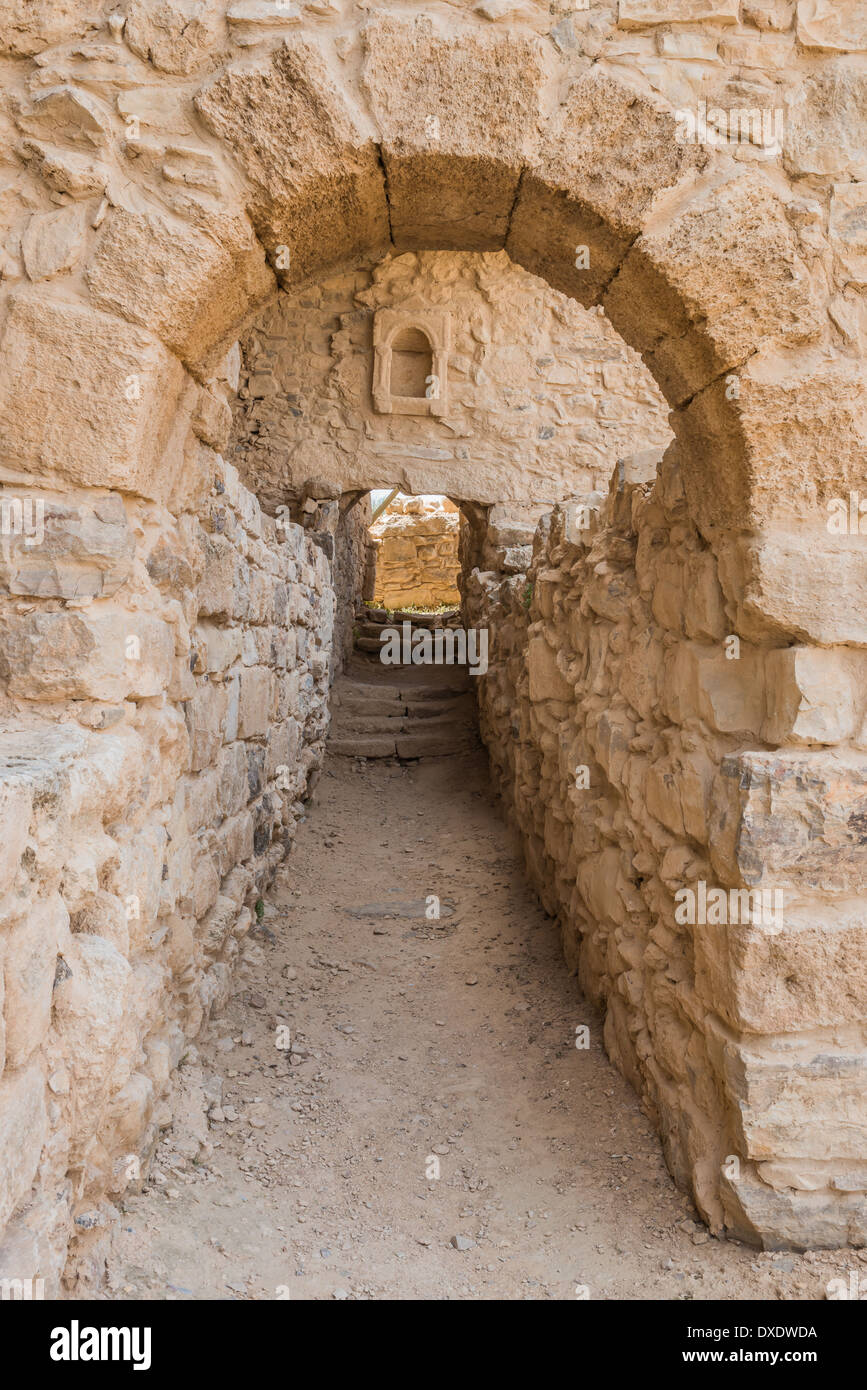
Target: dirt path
{"type": "Point", "coordinates": [416, 1040]}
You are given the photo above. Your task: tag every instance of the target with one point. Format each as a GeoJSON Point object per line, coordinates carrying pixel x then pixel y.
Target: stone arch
{"type": "Point", "coordinates": [716, 270]}
{"type": "Point", "coordinates": [461, 142]}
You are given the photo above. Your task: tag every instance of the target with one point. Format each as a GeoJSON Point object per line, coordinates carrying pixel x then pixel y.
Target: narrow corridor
{"type": "Point", "coordinates": [416, 1042]}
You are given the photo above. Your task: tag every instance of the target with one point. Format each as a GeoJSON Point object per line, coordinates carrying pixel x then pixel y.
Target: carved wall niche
{"type": "Point", "coordinates": [410, 361]}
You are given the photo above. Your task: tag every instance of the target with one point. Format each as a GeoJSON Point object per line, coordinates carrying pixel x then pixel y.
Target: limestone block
{"type": "Point", "coordinates": [16, 805]}
{"type": "Point", "coordinates": [134, 874]}
{"type": "Point", "coordinates": [53, 241]}
{"type": "Point", "coordinates": [791, 820]}
{"type": "Point", "coordinates": [234, 841]}
{"type": "Point", "coordinates": [761, 1215]}
{"type": "Point", "coordinates": [30, 960]}
{"type": "Point", "coordinates": [205, 714]}
{"type": "Point", "coordinates": [704, 616]}
{"type": "Point", "coordinates": [458, 113]}
{"type": "Point", "coordinates": [98, 413]}
{"type": "Point", "coordinates": [635, 14]}
{"type": "Point", "coordinates": [218, 647]}
{"type": "Point", "coordinates": [848, 229]}
{"type": "Point", "coordinates": [69, 114]}
{"type": "Point", "coordinates": [812, 973]}
{"type": "Point", "coordinates": [128, 1114]}
{"type": "Point", "coordinates": [775, 1090]}
{"type": "Point", "coordinates": [813, 694]}
{"type": "Point", "coordinates": [79, 656]}
{"type": "Point", "coordinates": [23, 1131]}
{"type": "Point", "coordinates": [546, 680]}
{"type": "Point", "coordinates": [319, 187]}
{"type": "Point", "coordinates": [29, 26]}
{"type": "Point", "coordinates": [807, 583]}
{"type": "Point", "coordinates": [216, 588]}
{"type": "Point", "coordinates": [190, 287]}
{"type": "Point", "coordinates": [96, 1042]}
{"type": "Point", "coordinates": [839, 27]}
{"type": "Point", "coordinates": [729, 695]}
{"type": "Point", "coordinates": [826, 129]}
{"type": "Point", "coordinates": [78, 551]}
{"type": "Point", "coordinates": [176, 36]}
{"type": "Point", "coordinates": [212, 419]}
{"type": "Point", "coordinates": [170, 567]}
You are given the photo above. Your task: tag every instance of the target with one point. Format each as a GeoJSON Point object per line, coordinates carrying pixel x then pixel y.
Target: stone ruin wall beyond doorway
{"type": "Point", "coordinates": [163, 178]}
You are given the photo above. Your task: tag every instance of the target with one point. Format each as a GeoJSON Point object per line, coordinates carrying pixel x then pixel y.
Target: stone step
{"type": "Point", "coordinates": [413, 744]}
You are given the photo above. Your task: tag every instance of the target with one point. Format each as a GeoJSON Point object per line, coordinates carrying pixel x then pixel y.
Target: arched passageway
{"type": "Point", "coordinates": [166, 658]}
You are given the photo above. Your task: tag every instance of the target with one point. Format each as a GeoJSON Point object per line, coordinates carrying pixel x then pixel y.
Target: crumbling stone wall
{"type": "Point", "coordinates": [642, 749]}
{"type": "Point", "coordinates": [540, 393]}
{"type": "Point", "coordinates": [417, 553]}
{"type": "Point", "coordinates": [164, 676]}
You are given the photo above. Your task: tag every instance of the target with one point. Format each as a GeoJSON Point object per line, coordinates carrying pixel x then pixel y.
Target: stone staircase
{"type": "Point", "coordinates": [372, 622]}
{"type": "Point", "coordinates": [405, 711]}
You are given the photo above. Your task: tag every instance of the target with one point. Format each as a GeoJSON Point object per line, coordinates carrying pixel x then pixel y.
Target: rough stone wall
{"type": "Point", "coordinates": [541, 393]}
{"type": "Point", "coordinates": [353, 558]}
{"type": "Point", "coordinates": [417, 553]}
{"type": "Point", "coordinates": [164, 686]}
{"type": "Point", "coordinates": [641, 749]}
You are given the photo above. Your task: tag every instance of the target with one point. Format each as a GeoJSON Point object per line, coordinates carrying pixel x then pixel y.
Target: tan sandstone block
{"type": "Point", "coordinates": [458, 115]}
{"type": "Point", "coordinates": [791, 820]}
{"type": "Point", "coordinates": [840, 27]}
{"type": "Point", "coordinates": [635, 14]}
{"type": "Point", "coordinates": [79, 656]}
{"type": "Point", "coordinates": [813, 694]}
{"type": "Point", "coordinates": [30, 960]}
{"type": "Point", "coordinates": [811, 973]}
{"type": "Point", "coordinates": [190, 287]}
{"type": "Point", "coordinates": [97, 413]}
{"type": "Point", "coordinates": [319, 185]}
{"type": "Point", "coordinates": [23, 1131]}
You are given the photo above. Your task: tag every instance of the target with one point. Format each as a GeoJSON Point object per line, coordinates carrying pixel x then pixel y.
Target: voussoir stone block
{"type": "Point", "coordinates": [459, 117]}
{"type": "Point", "coordinates": [318, 186]}
{"type": "Point", "coordinates": [97, 413]}
{"type": "Point", "coordinates": [697, 295]}
{"type": "Point", "coordinates": [189, 286]}
{"type": "Point", "coordinates": [604, 157]}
